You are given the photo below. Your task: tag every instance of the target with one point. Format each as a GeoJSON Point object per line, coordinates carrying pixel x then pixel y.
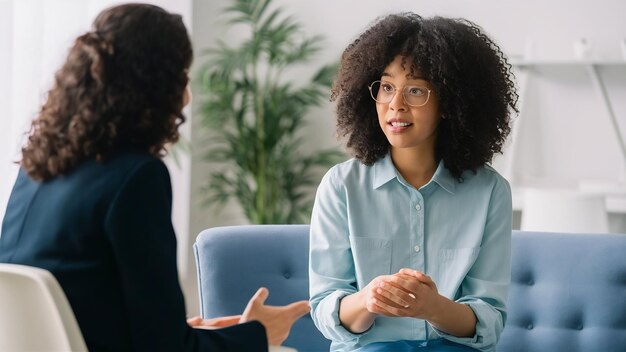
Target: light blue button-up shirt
{"type": "Point", "coordinates": [368, 221]}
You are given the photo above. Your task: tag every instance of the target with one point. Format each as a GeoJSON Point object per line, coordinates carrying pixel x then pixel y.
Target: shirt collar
{"type": "Point", "coordinates": [385, 171]}
{"type": "Point", "coordinates": [444, 178]}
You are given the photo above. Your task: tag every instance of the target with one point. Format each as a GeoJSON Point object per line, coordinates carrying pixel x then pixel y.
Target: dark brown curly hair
{"type": "Point", "coordinates": [121, 87]}
{"type": "Point", "coordinates": [469, 72]}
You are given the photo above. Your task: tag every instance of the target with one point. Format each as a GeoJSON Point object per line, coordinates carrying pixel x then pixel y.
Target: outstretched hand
{"type": "Point", "coordinates": [221, 322]}
{"type": "Point", "coordinates": [277, 320]}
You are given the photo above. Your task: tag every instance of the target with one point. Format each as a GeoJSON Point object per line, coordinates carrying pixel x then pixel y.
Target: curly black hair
{"type": "Point", "coordinates": [121, 87]}
{"type": "Point", "coordinates": [469, 72]}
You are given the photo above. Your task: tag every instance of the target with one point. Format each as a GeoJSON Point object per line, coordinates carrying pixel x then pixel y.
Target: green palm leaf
{"type": "Point", "coordinates": [256, 116]}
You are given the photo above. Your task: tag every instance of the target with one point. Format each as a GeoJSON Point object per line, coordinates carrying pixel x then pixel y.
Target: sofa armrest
{"type": "Point", "coordinates": [233, 262]}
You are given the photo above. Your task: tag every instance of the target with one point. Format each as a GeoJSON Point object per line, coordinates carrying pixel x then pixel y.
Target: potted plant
{"type": "Point", "coordinates": [255, 114]}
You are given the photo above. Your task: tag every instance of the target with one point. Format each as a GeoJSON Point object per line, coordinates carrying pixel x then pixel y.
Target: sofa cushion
{"type": "Point", "coordinates": [568, 293]}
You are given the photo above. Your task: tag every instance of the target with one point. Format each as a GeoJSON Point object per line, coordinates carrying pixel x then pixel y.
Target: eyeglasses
{"type": "Point", "coordinates": [383, 92]}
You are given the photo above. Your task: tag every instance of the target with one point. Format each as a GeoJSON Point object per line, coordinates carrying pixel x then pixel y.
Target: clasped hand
{"type": "Point", "coordinates": [408, 293]}
{"type": "Point", "coordinates": [277, 320]}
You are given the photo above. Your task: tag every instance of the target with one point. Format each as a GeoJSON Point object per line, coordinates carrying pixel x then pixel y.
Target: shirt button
{"type": "Point", "coordinates": [418, 207]}
{"type": "Point", "coordinates": [416, 248]}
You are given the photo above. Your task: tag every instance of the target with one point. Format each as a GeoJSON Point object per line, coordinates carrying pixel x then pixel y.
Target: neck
{"type": "Point", "coordinates": [416, 165]}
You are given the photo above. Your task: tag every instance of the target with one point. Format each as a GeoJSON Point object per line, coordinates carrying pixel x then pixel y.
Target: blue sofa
{"type": "Point", "coordinates": [568, 291]}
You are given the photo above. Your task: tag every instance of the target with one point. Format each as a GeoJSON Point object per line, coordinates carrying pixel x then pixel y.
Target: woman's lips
{"type": "Point", "coordinates": [398, 126]}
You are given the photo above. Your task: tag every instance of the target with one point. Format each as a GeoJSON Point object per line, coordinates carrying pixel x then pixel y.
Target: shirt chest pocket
{"type": "Point", "coordinates": [372, 258]}
{"type": "Point", "coordinates": [452, 266]}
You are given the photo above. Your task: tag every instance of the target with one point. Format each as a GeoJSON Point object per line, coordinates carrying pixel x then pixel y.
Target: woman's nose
{"type": "Point", "coordinates": [397, 103]}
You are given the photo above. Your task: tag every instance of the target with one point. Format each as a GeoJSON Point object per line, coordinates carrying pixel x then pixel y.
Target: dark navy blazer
{"type": "Point", "coordinates": [104, 231]}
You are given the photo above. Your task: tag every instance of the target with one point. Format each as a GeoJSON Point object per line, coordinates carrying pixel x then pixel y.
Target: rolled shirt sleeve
{"type": "Point", "coordinates": [331, 269]}
{"type": "Point", "coordinates": [485, 288]}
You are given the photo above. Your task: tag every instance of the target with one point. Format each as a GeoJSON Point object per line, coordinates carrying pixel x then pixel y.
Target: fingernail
{"type": "Point", "coordinates": [407, 306]}
{"type": "Point", "coordinates": [412, 295]}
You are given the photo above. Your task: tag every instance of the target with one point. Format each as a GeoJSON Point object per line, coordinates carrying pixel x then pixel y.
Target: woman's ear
{"type": "Point", "coordinates": [186, 96]}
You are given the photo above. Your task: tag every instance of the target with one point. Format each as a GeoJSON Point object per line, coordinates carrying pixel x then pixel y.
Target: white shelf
{"type": "Point", "coordinates": [567, 62]}
{"type": "Point", "coordinates": [615, 202]}
{"type": "Point", "coordinates": [616, 197]}
{"type": "Point", "coordinates": [592, 67]}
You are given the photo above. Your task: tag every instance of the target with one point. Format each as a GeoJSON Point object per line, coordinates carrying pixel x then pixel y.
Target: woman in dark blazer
{"type": "Point", "coordinates": [92, 201]}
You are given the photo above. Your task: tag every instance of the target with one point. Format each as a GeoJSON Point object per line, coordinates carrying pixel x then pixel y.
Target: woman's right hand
{"type": "Point", "coordinates": [221, 322]}
{"type": "Point", "coordinates": [277, 320]}
{"type": "Point", "coordinates": [373, 295]}
{"type": "Point", "coordinates": [358, 310]}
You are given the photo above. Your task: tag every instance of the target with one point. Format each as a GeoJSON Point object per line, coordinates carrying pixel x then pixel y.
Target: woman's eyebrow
{"type": "Point", "coordinates": [408, 76]}
{"type": "Point", "coordinates": [415, 78]}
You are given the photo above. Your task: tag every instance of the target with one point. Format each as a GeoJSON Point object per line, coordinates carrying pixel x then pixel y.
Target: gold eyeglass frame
{"type": "Point", "coordinates": [396, 92]}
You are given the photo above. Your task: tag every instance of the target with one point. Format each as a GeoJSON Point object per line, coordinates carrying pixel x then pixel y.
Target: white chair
{"type": "Point", "coordinates": [553, 210]}
{"type": "Point", "coordinates": [34, 312]}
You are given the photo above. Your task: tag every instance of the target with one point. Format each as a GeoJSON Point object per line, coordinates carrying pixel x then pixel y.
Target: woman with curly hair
{"type": "Point", "coordinates": [92, 201]}
{"type": "Point", "coordinates": [410, 240]}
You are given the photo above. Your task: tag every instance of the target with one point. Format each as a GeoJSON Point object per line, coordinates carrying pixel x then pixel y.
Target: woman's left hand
{"type": "Point", "coordinates": [414, 287]}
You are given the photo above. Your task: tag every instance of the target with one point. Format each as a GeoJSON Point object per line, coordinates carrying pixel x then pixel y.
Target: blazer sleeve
{"type": "Point", "coordinates": [139, 228]}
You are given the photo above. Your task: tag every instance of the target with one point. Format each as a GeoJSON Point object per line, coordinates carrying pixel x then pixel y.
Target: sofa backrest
{"type": "Point", "coordinates": [568, 291]}
{"type": "Point", "coordinates": [233, 262]}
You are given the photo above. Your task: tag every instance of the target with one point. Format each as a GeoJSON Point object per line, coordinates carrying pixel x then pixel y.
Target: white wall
{"type": "Point", "coordinates": [6, 78]}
